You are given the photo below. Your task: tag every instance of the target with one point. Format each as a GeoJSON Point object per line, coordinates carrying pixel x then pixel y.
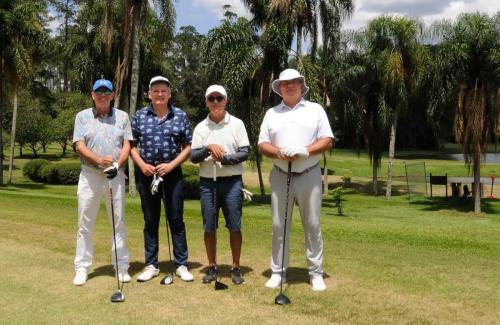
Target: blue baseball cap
{"type": "Point", "coordinates": [102, 83]}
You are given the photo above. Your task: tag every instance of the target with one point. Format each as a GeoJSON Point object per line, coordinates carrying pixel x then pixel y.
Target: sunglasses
{"type": "Point", "coordinates": [213, 98]}
{"type": "Point", "coordinates": [103, 92]}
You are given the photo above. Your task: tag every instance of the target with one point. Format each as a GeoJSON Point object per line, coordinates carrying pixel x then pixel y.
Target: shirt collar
{"type": "Point", "coordinates": [96, 115]}
{"type": "Point", "coordinates": [302, 102]}
{"type": "Point", "coordinates": [170, 114]}
{"type": "Point", "coordinates": [225, 120]}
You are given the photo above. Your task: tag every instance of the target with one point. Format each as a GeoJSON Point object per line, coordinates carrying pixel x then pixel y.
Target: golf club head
{"type": "Point", "coordinates": [220, 285]}
{"type": "Point", "coordinates": [167, 280]}
{"type": "Point", "coordinates": [281, 299]}
{"type": "Point", "coordinates": [118, 297]}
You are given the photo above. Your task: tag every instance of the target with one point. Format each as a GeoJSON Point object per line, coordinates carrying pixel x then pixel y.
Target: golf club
{"type": "Point", "coordinates": [281, 298]}
{"type": "Point", "coordinates": [218, 285]}
{"type": "Point", "coordinates": [118, 296]}
{"type": "Point", "coordinates": [169, 278]}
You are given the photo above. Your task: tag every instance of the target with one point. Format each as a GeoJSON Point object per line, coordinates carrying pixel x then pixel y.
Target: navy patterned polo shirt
{"type": "Point", "coordinates": [161, 139]}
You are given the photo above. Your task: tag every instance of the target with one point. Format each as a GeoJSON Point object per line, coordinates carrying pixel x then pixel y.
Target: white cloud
{"type": "Point", "coordinates": [427, 10]}
{"type": "Point", "coordinates": [215, 6]}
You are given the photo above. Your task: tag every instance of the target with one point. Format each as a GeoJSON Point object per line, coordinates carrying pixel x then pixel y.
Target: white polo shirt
{"type": "Point", "coordinates": [300, 126]}
{"type": "Point", "coordinates": [230, 133]}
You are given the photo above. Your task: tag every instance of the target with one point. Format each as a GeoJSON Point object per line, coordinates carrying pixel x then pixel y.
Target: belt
{"type": "Point", "coordinates": [305, 171]}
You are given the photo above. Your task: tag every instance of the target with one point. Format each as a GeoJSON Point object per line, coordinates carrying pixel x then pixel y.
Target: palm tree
{"type": "Point", "coordinates": [393, 44]}
{"type": "Point", "coordinates": [469, 52]}
{"type": "Point", "coordinates": [22, 31]}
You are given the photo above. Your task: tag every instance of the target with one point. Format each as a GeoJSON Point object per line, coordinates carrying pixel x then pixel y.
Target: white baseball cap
{"type": "Point", "coordinates": [158, 79]}
{"type": "Point", "coordinates": [216, 89]}
{"type": "Point", "coordinates": [289, 74]}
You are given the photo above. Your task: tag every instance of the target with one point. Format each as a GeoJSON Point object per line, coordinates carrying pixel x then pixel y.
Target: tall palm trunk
{"type": "Point", "coordinates": [12, 135]}
{"type": "Point", "coordinates": [375, 177]}
{"type": "Point", "coordinates": [477, 178]}
{"type": "Point", "coordinates": [392, 147]}
{"type": "Point", "coordinates": [134, 85]}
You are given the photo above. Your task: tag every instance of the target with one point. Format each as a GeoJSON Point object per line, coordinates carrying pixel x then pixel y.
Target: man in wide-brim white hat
{"type": "Point", "coordinates": [296, 131]}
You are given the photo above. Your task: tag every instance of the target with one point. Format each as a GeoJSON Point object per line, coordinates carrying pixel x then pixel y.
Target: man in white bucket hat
{"type": "Point", "coordinates": [295, 132]}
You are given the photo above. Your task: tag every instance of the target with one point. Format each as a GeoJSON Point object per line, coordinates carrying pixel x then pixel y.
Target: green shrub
{"type": "Point", "coordinates": [191, 181]}
{"type": "Point", "coordinates": [63, 173]}
{"type": "Point", "coordinates": [337, 195]}
{"type": "Point", "coordinates": [32, 169]}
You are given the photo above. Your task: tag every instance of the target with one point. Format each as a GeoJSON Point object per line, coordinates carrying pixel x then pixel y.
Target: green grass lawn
{"type": "Point", "coordinates": [397, 261]}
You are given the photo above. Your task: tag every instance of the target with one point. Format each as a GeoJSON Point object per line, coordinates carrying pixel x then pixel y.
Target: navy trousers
{"type": "Point", "coordinates": [172, 186]}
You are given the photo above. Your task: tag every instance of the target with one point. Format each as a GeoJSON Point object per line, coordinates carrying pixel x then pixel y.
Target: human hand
{"type": "Point", "coordinates": [147, 169]}
{"type": "Point", "coordinates": [164, 169]}
{"type": "Point", "coordinates": [297, 152]}
{"type": "Point", "coordinates": [111, 171]}
{"type": "Point", "coordinates": [216, 152]}
{"type": "Point", "coordinates": [106, 161]}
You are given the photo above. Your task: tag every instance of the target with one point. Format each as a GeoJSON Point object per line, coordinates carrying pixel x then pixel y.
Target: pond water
{"type": "Point", "coordinates": [492, 158]}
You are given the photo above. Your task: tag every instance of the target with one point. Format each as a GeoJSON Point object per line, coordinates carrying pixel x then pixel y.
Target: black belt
{"type": "Point", "coordinates": [305, 171]}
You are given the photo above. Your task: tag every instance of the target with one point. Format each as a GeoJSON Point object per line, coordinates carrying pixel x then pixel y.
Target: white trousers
{"type": "Point", "coordinates": [306, 189]}
{"type": "Point", "coordinates": [92, 186]}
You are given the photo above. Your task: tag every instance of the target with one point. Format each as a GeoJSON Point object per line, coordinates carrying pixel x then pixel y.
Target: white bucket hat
{"type": "Point", "coordinates": [289, 74]}
{"type": "Point", "coordinates": [216, 89]}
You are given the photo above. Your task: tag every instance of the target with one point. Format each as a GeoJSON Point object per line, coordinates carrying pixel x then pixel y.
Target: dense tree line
{"type": "Point", "coordinates": [394, 84]}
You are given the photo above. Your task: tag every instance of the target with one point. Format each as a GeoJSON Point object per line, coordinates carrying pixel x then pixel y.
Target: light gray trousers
{"type": "Point", "coordinates": [306, 189]}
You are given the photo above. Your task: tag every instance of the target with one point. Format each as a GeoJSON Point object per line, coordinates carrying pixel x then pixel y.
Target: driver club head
{"type": "Point", "coordinates": [118, 297]}
{"type": "Point", "coordinates": [220, 285]}
{"type": "Point", "coordinates": [167, 280]}
{"type": "Point", "coordinates": [281, 299]}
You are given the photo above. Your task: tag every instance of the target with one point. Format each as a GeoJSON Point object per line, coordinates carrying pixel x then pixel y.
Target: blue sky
{"type": "Point", "coordinates": [206, 14]}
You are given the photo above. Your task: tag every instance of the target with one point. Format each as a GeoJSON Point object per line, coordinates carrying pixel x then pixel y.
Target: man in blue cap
{"type": "Point", "coordinates": [101, 139]}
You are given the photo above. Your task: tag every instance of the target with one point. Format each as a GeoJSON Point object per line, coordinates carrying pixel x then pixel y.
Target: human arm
{"type": "Point", "coordinates": [165, 168]}
{"type": "Point", "coordinates": [236, 158]}
{"type": "Point", "coordinates": [146, 169]}
{"type": "Point", "coordinates": [199, 154]}
{"type": "Point", "coordinates": [91, 157]}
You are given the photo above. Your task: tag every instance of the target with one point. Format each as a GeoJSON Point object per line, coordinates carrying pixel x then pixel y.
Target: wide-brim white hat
{"type": "Point", "coordinates": [289, 74]}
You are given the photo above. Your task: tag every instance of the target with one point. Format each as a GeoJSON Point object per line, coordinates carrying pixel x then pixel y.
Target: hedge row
{"type": "Point", "coordinates": [41, 170]}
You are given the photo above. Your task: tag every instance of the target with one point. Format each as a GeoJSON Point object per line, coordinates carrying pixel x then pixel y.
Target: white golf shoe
{"type": "Point", "coordinates": [124, 277]}
{"type": "Point", "coordinates": [183, 273]}
{"type": "Point", "coordinates": [149, 272]}
{"type": "Point", "coordinates": [275, 281]}
{"type": "Point", "coordinates": [80, 278]}
{"type": "Point", "coordinates": [317, 282]}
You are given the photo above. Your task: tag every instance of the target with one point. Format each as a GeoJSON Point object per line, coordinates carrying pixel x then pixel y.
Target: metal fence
{"type": "Point", "coordinates": [416, 179]}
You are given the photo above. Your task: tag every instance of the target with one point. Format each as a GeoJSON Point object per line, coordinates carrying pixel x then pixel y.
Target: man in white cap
{"type": "Point", "coordinates": [220, 145]}
{"type": "Point", "coordinates": [163, 134]}
{"type": "Point", "coordinates": [101, 139]}
{"type": "Point", "coordinates": [295, 131]}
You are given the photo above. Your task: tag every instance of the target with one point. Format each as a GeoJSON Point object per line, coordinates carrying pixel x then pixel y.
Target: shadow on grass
{"type": "Point", "coordinates": [294, 275]}
{"type": "Point", "coordinates": [452, 203]}
{"type": "Point", "coordinates": [137, 267]}
{"type": "Point", "coordinates": [367, 188]}
{"type": "Point", "coordinates": [47, 156]}
{"type": "Point", "coordinates": [27, 186]}
{"type": "Point", "coordinates": [6, 167]}
{"type": "Point", "coordinates": [330, 171]}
